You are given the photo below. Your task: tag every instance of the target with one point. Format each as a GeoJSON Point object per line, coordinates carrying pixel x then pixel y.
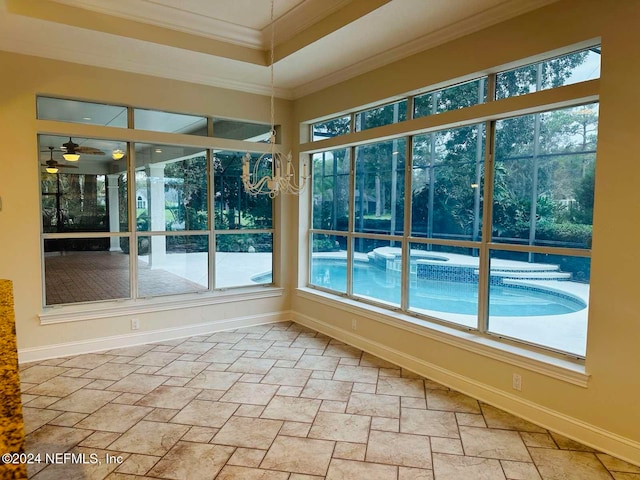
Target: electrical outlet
{"type": "Point", "coordinates": [135, 323]}
{"type": "Point", "coordinates": [517, 382]}
{"type": "Point", "coordinates": [354, 324]}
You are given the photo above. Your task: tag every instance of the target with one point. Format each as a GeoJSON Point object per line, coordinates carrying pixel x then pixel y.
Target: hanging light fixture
{"type": "Point", "coordinates": [117, 154]}
{"type": "Point", "coordinates": [283, 177]}
{"type": "Point", "coordinates": [51, 166]}
{"type": "Point", "coordinates": [70, 154]}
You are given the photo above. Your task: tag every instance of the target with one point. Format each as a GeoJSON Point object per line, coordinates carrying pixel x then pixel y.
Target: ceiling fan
{"type": "Point", "coordinates": [72, 151]}
{"type": "Point", "coordinates": [52, 166]}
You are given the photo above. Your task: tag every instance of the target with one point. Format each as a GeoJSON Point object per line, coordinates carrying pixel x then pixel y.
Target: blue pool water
{"type": "Point", "coordinates": [441, 296]}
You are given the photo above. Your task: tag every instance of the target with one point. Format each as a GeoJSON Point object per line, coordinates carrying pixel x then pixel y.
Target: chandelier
{"type": "Point", "coordinates": [282, 177]}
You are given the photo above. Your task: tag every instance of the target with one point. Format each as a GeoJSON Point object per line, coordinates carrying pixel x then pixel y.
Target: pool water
{"type": "Point", "coordinates": [441, 296]}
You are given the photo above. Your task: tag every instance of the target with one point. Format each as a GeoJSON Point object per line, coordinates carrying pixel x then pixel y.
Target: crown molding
{"type": "Point", "coordinates": [167, 70]}
{"type": "Point", "coordinates": [485, 19]}
{"type": "Point", "coordinates": [300, 18]}
{"type": "Point", "coordinates": [181, 20]}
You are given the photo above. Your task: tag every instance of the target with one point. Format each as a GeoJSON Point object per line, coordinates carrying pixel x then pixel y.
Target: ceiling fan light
{"type": "Point", "coordinates": [71, 157]}
{"type": "Point", "coordinates": [51, 169]}
{"type": "Point", "coordinates": [117, 154]}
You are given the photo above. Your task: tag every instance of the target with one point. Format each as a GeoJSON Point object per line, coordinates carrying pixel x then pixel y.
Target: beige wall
{"type": "Point", "coordinates": [21, 79]}
{"type": "Point", "coordinates": [605, 413]}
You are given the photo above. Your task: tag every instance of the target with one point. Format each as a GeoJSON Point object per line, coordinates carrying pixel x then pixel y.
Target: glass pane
{"type": "Point", "coordinates": [447, 183]}
{"type": "Point", "coordinates": [169, 122]}
{"type": "Point", "coordinates": [171, 188]}
{"type": "Point", "coordinates": [234, 207]}
{"type": "Point", "coordinates": [331, 128]}
{"type": "Point", "coordinates": [379, 187]}
{"type": "Point", "coordinates": [565, 70]}
{"type": "Point", "coordinates": [377, 270]}
{"type": "Point", "coordinates": [443, 283]}
{"type": "Point", "coordinates": [172, 264]}
{"type": "Point", "coordinates": [244, 259]}
{"type": "Point", "coordinates": [385, 115]}
{"type": "Point", "coordinates": [81, 112]}
{"type": "Point", "coordinates": [541, 299]}
{"type": "Point", "coordinates": [452, 98]}
{"type": "Point", "coordinates": [86, 269]}
{"type": "Point", "coordinates": [544, 178]}
{"type": "Point", "coordinates": [330, 208]}
{"type": "Point", "coordinates": [86, 195]}
{"type": "Point", "coordinates": [329, 262]}
{"type": "Point", "coordinates": [237, 130]}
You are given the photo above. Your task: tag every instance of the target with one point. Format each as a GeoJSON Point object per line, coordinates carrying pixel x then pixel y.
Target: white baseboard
{"type": "Point", "coordinates": [93, 345]}
{"type": "Point", "coordinates": [566, 425]}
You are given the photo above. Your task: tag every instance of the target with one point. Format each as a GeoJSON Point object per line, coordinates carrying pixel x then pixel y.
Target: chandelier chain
{"type": "Point", "coordinates": [273, 91]}
{"type": "Point", "coordinates": [283, 177]}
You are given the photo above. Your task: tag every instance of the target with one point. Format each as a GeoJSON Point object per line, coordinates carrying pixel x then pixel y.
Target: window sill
{"type": "Point", "coordinates": [92, 311]}
{"type": "Point", "coordinates": [553, 366]}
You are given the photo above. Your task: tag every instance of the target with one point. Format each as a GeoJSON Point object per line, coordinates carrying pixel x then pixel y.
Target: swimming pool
{"type": "Point", "coordinates": [441, 295]}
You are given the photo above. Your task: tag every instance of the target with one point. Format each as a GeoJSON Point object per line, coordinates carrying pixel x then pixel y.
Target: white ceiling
{"type": "Point", "coordinates": [225, 42]}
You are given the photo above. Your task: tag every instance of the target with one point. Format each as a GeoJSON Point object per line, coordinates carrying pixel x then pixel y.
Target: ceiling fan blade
{"type": "Point", "coordinates": [58, 165]}
{"type": "Point", "coordinates": [89, 151]}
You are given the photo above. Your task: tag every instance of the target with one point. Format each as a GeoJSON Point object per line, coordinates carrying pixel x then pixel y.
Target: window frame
{"type": "Point", "coordinates": [493, 110]}
{"type": "Point", "coordinates": [53, 313]}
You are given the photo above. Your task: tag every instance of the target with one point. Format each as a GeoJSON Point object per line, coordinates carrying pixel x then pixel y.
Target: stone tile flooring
{"type": "Point", "coordinates": [277, 402]}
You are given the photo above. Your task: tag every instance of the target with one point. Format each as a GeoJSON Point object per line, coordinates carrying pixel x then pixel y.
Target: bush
{"type": "Point", "coordinates": [570, 233]}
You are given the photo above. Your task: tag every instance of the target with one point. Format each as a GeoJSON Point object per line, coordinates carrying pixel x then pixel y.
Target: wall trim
{"type": "Point", "coordinates": [100, 344]}
{"type": "Point", "coordinates": [586, 433]}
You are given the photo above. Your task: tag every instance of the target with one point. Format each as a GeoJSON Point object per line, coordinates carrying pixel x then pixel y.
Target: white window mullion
{"type": "Point", "coordinates": [406, 246]}
{"type": "Point", "coordinates": [351, 220]}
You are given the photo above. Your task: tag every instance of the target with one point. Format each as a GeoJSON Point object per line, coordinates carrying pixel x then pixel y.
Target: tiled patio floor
{"type": "Point", "coordinates": [279, 402]}
{"type": "Point", "coordinates": [93, 276]}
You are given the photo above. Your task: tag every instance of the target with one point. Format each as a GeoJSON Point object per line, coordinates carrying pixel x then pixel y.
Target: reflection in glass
{"type": "Point", "coordinates": [544, 178]}
{"type": "Point", "coordinates": [237, 130]}
{"type": "Point", "coordinates": [447, 183]}
{"type": "Point", "coordinates": [157, 121]}
{"type": "Point", "coordinates": [234, 207]}
{"type": "Point", "coordinates": [331, 128]}
{"type": "Point", "coordinates": [81, 112]}
{"type": "Point", "coordinates": [329, 262]}
{"type": "Point", "coordinates": [89, 195]}
{"type": "Point", "coordinates": [243, 259]}
{"type": "Point", "coordinates": [377, 270]}
{"type": "Point", "coordinates": [443, 283]}
{"type": "Point", "coordinates": [171, 188]}
{"type": "Point", "coordinates": [385, 115]}
{"type": "Point", "coordinates": [379, 187]}
{"type": "Point", "coordinates": [451, 98]}
{"type": "Point", "coordinates": [330, 208]}
{"type": "Point", "coordinates": [84, 270]}
{"type": "Point", "coordinates": [540, 299]}
{"type": "Point", "coordinates": [564, 70]}
{"type": "Point", "coordinates": [172, 264]}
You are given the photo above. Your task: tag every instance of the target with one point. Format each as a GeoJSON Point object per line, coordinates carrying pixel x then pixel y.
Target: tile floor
{"type": "Point", "coordinates": [277, 402]}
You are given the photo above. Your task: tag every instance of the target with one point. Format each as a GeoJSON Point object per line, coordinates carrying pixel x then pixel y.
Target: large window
{"type": "Point", "coordinates": [494, 231]}
{"type": "Point", "coordinates": [135, 219]}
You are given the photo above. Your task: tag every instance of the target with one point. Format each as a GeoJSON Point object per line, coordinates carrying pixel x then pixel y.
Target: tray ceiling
{"type": "Point", "coordinates": [225, 43]}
